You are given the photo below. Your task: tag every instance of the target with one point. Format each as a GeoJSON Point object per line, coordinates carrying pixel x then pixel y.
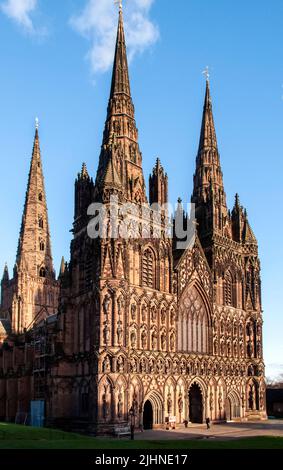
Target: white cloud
{"type": "Point", "coordinates": [20, 11]}
{"type": "Point", "coordinates": [98, 23]}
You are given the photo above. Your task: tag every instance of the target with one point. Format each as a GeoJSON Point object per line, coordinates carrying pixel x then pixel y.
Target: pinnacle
{"type": "Point", "coordinates": [84, 173]}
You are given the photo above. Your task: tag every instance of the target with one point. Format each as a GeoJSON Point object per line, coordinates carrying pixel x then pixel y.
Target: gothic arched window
{"type": "Point", "coordinates": [40, 197]}
{"type": "Point", "coordinates": [42, 272]}
{"type": "Point", "coordinates": [40, 222]}
{"type": "Point", "coordinates": [41, 245]}
{"type": "Point", "coordinates": [148, 268]}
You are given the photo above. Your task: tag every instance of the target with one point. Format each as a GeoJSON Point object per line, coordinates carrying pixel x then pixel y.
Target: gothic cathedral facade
{"type": "Point", "coordinates": [133, 324]}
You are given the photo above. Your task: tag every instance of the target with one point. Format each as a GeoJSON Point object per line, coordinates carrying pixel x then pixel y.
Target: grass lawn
{"type": "Point", "coordinates": [13, 436]}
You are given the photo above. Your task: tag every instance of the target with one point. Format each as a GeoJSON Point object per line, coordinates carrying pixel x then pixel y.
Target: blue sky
{"type": "Point", "coordinates": [55, 65]}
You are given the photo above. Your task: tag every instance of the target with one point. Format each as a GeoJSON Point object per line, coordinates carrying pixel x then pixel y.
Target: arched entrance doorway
{"type": "Point", "coordinates": [195, 404]}
{"type": "Point", "coordinates": [233, 408]}
{"type": "Point", "coordinates": [147, 415]}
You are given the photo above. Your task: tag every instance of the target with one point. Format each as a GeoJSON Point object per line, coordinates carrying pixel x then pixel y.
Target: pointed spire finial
{"type": "Point", "coordinates": [120, 3]}
{"type": "Point", "coordinates": [62, 267]}
{"type": "Point", "coordinates": [36, 123]}
{"type": "Point", "coordinates": [5, 273]}
{"type": "Point", "coordinates": [84, 172]}
{"type": "Point", "coordinates": [206, 73]}
{"type": "Point", "coordinates": [237, 200]}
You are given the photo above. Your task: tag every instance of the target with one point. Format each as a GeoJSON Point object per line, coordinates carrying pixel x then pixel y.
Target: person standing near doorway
{"type": "Point", "coordinates": [207, 423]}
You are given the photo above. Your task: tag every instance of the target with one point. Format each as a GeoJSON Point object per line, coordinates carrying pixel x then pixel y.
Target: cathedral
{"type": "Point", "coordinates": [134, 327]}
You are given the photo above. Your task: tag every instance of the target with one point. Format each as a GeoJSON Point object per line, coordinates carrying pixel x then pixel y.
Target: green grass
{"type": "Point", "coordinates": [24, 437]}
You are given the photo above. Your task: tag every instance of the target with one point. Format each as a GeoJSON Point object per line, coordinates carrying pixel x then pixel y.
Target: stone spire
{"type": "Point", "coordinates": [208, 138]}
{"type": "Point", "coordinates": [208, 194]}
{"type": "Point", "coordinates": [62, 267]}
{"type": "Point", "coordinates": [34, 247]}
{"type": "Point", "coordinates": [158, 185]}
{"type": "Point", "coordinates": [120, 137]}
{"type": "Point", "coordinates": [84, 173]}
{"type": "Point", "coordinates": [83, 196]}
{"type": "Point", "coordinates": [5, 277]}
{"type": "Point", "coordinates": [120, 75]}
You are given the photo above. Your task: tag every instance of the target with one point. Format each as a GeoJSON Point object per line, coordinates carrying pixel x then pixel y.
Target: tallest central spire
{"type": "Point", "coordinates": [120, 161]}
{"type": "Point", "coordinates": [120, 76]}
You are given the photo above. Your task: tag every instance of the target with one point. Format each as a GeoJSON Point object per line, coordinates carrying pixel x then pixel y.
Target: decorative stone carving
{"type": "Point", "coordinates": [144, 339]}
{"type": "Point", "coordinates": [106, 334]}
{"type": "Point", "coordinates": [180, 403]}
{"type": "Point", "coordinates": [106, 304]}
{"type": "Point", "coordinates": [144, 313]}
{"type": "Point", "coordinates": [172, 341]}
{"type": "Point", "coordinates": [133, 339]}
{"type": "Point", "coordinates": [119, 332]}
{"type": "Point", "coordinates": [154, 340]}
{"type": "Point", "coordinates": [163, 341]}
{"type": "Point", "coordinates": [106, 364]}
{"type": "Point", "coordinates": [153, 313]}
{"type": "Point", "coordinates": [163, 315]}
{"type": "Point", "coordinates": [120, 405]}
{"type": "Point", "coordinates": [120, 364]}
{"type": "Point", "coordinates": [134, 312]}
{"type": "Point", "coordinates": [143, 365]}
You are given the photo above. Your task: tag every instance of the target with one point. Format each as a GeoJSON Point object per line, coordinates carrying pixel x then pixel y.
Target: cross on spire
{"type": "Point", "coordinates": [206, 73]}
{"type": "Point", "coordinates": [120, 3]}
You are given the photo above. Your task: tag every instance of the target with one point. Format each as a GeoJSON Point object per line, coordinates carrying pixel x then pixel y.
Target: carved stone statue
{"type": "Point", "coordinates": [163, 315]}
{"type": "Point", "coordinates": [120, 332]}
{"type": "Point", "coordinates": [180, 403]}
{"type": "Point", "coordinates": [133, 365]}
{"type": "Point", "coordinates": [215, 346]}
{"type": "Point", "coordinates": [106, 334]}
{"type": "Point", "coordinates": [159, 366]}
{"type": "Point", "coordinates": [121, 304]}
{"type": "Point", "coordinates": [175, 367]}
{"type": "Point", "coordinates": [163, 341]}
{"type": "Point", "coordinates": [144, 339]}
{"type": "Point", "coordinates": [133, 311]}
{"type": "Point", "coordinates": [120, 364]}
{"type": "Point", "coordinates": [151, 365]}
{"type": "Point", "coordinates": [153, 313]}
{"type": "Point", "coordinates": [154, 340]}
{"type": "Point", "coordinates": [235, 348]}
{"type": "Point", "coordinates": [133, 339]}
{"type": "Point", "coordinates": [106, 364]}
{"type": "Point", "coordinates": [143, 313]}
{"type": "Point", "coordinates": [250, 348]}
{"type": "Point", "coordinates": [106, 304]}
{"type": "Point", "coordinates": [167, 366]}
{"type": "Point", "coordinates": [143, 365]}
{"type": "Point", "coordinates": [120, 405]}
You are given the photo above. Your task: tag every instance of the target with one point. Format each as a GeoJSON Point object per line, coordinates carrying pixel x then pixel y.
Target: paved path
{"type": "Point", "coordinates": [217, 431]}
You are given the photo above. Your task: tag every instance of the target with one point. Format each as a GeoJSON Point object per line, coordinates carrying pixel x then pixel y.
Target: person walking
{"type": "Point", "coordinates": [207, 423]}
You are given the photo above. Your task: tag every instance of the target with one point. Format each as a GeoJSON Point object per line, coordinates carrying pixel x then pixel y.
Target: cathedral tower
{"type": "Point", "coordinates": [120, 161]}
{"type": "Point", "coordinates": [33, 290]}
